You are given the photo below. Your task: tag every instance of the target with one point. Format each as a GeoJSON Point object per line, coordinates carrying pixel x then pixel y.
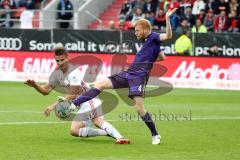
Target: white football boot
{"type": "Point", "coordinates": [156, 139]}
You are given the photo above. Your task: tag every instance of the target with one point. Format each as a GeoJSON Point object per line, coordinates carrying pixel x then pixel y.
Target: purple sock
{"type": "Point", "coordinates": [86, 96]}
{"type": "Point", "coordinates": [149, 122]}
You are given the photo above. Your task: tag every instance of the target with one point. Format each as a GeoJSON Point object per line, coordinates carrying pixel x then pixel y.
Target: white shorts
{"type": "Point", "coordinates": [88, 111]}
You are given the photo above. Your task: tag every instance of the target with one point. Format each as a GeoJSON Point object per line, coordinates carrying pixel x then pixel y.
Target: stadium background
{"type": "Point", "coordinates": [205, 86]}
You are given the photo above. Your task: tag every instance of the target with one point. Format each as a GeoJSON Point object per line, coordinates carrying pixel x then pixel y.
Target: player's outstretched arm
{"type": "Point", "coordinates": [44, 89]}
{"type": "Point", "coordinates": [50, 108]}
{"type": "Point", "coordinates": [168, 34]}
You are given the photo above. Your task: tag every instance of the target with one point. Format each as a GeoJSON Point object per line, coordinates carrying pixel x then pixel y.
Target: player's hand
{"type": "Point", "coordinates": [30, 83]}
{"type": "Point", "coordinates": [170, 12]}
{"type": "Point", "coordinates": [47, 111]}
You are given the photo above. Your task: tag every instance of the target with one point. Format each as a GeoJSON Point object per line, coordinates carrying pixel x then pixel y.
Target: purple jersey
{"type": "Point", "coordinates": [145, 58]}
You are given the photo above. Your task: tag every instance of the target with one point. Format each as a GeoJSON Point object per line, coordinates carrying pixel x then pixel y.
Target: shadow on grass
{"type": "Point", "coordinates": [92, 140]}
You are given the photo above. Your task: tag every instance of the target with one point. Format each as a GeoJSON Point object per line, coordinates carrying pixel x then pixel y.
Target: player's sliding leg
{"type": "Point", "coordinates": [139, 101]}
{"type": "Point", "coordinates": [91, 132]}
{"type": "Point", "coordinates": [111, 131]}
{"type": "Point", "coordinates": [93, 92]}
{"type": "Point", "coordinates": [80, 129]}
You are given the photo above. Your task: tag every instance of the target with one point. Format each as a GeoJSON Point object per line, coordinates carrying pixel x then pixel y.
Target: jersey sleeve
{"type": "Point", "coordinates": [156, 37]}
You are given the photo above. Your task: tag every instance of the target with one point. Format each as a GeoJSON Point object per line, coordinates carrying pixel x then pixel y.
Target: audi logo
{"type": "Point", "coordinates": [10, 44]}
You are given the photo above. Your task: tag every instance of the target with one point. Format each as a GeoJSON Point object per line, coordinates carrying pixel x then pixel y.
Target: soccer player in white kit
{"type": "Point", "coordinates": [70, 79]}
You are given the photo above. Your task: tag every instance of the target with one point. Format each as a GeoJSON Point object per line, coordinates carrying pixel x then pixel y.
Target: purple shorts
{"type": "Point", "coordinates": [136, 85]}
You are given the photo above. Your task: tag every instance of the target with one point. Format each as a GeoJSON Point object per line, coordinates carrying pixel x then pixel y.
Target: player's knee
{"type": "Point", "coordinates": [105, 84]}
{"type": "Point", "coordinates": [139, 110]}
{"type": "Point", "coordinates": [139, 107]}
{"type": "Point", "coordinates": [97, 122]}
{"type": "Point", "coordinates": [74, 132]}
{"type": "Point", "coordinates": [100, 85]}
{"type": "Point", "coordinates": [83, 132]}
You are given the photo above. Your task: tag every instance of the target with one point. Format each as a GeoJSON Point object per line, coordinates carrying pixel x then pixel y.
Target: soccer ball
{"type": "Point", "coordinates": [63, 110]}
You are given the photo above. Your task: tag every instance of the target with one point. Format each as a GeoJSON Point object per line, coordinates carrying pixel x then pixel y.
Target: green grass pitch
{"type": "Point", "coordinates": [210, 132]}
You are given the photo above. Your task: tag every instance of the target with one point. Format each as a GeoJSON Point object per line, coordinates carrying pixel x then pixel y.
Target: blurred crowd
{"type": "Point", "coordinates": [12, 9]}
{"type": "Point", "coordinates": [193, 15]}
{"type": "Point", "coordinates": [23, 11]}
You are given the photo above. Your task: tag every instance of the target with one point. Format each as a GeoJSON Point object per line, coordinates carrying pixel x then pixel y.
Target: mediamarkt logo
{"type": "Point", "coordinates": [213, 72]}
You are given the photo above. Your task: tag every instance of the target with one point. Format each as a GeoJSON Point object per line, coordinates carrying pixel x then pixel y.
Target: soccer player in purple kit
{"type": "Point", "coordinates": [136, 76]}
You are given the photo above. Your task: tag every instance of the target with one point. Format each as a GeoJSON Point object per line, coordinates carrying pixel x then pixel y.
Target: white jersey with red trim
{"type": "Point", "coordinates": [72, 82]}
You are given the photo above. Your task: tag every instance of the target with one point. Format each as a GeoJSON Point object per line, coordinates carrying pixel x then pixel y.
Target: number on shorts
{"type": "Point", "coordinates": [140, 88]}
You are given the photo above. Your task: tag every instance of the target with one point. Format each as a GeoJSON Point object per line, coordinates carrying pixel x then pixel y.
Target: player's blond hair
{"type": "Point", "coordinates": [144, 23]}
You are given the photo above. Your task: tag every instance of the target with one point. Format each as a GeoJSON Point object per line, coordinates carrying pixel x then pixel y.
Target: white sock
{"type": "Point", "coordinates": [110, 130]}
{"type": "Point", "coordinates": [91, 132]}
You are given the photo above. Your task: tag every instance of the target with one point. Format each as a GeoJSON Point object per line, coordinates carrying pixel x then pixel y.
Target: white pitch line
{"type": "Point", "coordinates": [61, 122]}
{"type": "Point", "coordinates": [215, 118]}
{"type": "Point", "coordinates": [20, 123]}
{"type": "Point", "coordinates": [37, 112]}
{"type": "Point", "coordinates": [133, 120]}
